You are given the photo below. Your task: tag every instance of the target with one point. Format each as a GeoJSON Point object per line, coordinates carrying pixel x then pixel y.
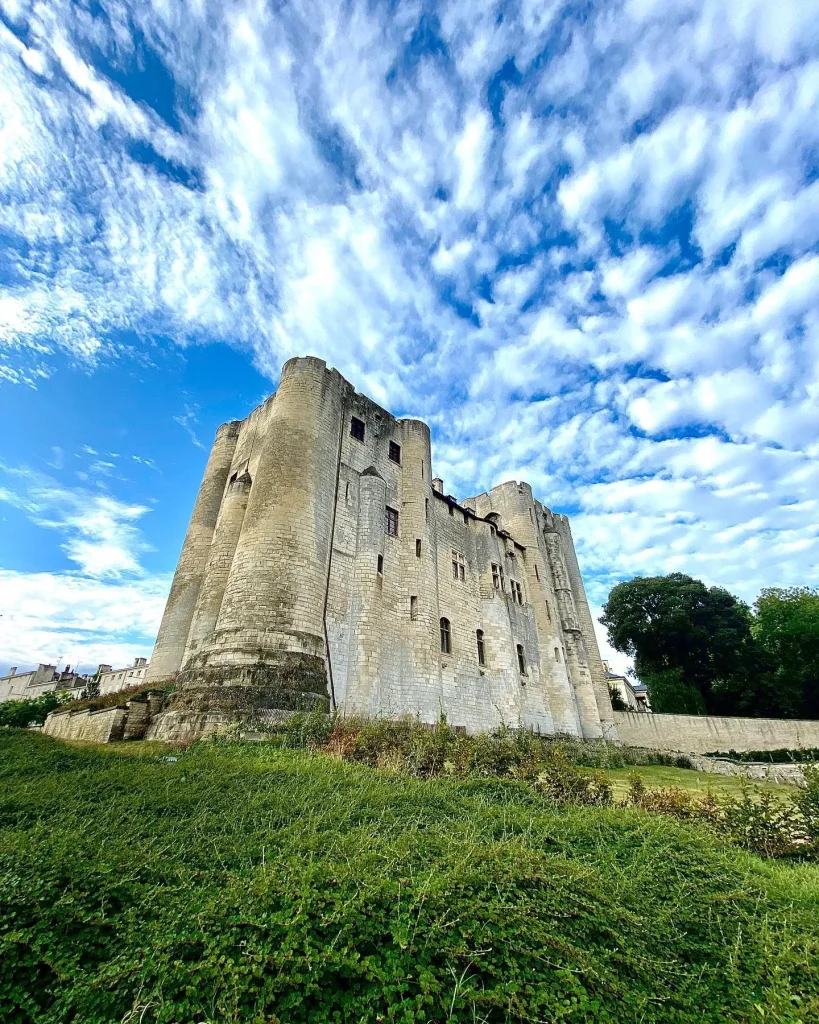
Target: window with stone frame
{"type": "Point", "coordinates": [557, 654]}
{"type": "Point", "coordinates": [481, 647]}
{"type": "Point", "coordinates": [417, 547]}
{"type": "Point", "coordinates": [497, 576]}
{"type": "Point", "coordinates": [521, 660]}
{"type": "Point", "coordinates": [395, 452]}
{"type": "Point", "coordinates": [357, 428]}
{"type": "Point", "coordinates": [458, 566]}
{"type": "Point", "coordinates": [517, 592]}
{"type": "Point", "coordinates": [446, 637]}
{"type": "Point", "coordinates": [391, 522]}
{"type": "Point", "coordinates": [413, 608]}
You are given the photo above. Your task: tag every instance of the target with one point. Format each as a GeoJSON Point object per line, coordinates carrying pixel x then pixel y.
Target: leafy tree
{"type": "Point", "coordinates": [786, 629]}
{"type": "Point", "coordinates": [617, 702]}
{"type": "Point", "coordinates": [692, 645]}
{"type": "Point", "coordinates": [34, 711]}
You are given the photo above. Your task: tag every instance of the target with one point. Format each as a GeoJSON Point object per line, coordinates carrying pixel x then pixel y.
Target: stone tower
{"type": "Point", "coordinates": [325, 567]}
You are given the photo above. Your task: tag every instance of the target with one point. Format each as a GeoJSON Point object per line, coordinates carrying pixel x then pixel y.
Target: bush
{"type": "Point", "coordinates": [18, 714]}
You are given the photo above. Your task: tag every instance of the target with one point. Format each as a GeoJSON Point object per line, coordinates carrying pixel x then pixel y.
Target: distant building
{"type": "Point", "coordinates": [635, 695]}
{"type": "Point", "coordinates": [45, 679]}
{"type": "Point", "coordinates": [112, 680]}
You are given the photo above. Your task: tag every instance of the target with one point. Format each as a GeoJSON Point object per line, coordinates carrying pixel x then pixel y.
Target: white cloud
{"type": "Point", "coordinates": [559, 239]}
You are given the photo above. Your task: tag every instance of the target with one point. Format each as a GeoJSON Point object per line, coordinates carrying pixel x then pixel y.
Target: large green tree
{"type": "Point", "coordinates": [692, 645]}
{"type": "Point", "coordinates": [786, 629]}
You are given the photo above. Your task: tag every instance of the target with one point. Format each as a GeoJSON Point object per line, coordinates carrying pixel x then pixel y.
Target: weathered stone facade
{"type": "Point", "coordinates": [324, 566]}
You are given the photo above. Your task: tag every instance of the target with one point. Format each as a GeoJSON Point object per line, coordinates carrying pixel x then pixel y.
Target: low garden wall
{"type": "Point", "coordinates": [703, 734]}
{"type": "Point", "coordinates": [105, 725]}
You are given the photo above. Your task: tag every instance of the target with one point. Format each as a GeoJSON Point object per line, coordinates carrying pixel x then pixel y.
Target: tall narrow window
{"type": "Point", "coordinates": [422, 469]}
{"type": "Point", "coordinates": [392, 522]}
{"type": "Point", "coordinates": [548, 611]}
{"type": "Point", "coordinates": [537, 574]}
{"type": "Point", "coordinates": [417, 547]}
{"type": "Point", "coordinates": [357, 428]}
{"type": "Point", "coordinates": [497, 577]}
{"type": "Point", "coordinates": [452, 510]}
{"type": "Point", "coordinates": [426, 509]}
{"type": "Point", "coordinates": [521, 660]}
{"type": "Point", "coordinates": [347, 491]}
{"type": "Point", "coordinates": [446, 637]}
{"type": "Point", "coordinates": [395, 452]}
{"type": "Point", "coordinates": [481, 648]}
{"type": "Point", "coordinates": [380, 564]}
{"type": "Point", "coordinates": [466, 519]}
{"type": "Point", "coordinates": [557, 654]}
{"type": "Point", "coordinates": [458, 567]}
{"type": "Point", "coordinates": [517, 592]}
{"type": "Point", "coordinates": [413, 608]}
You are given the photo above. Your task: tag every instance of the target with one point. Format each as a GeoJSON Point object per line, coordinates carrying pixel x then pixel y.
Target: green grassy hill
{"type": "Point", "coordinates": [250, 883]}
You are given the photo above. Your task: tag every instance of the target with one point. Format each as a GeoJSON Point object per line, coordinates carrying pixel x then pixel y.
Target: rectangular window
{"type": "Point", "coordinates": [537, 575]}
{"type": "Point", "coordinates": [380, 564]}
{"type": "Point", "coordinates": [426, 509]}
{"type": "Point", "coordinates": [497, 577]}
{"type": "Point", "coordinates": [392, 522]}
{"type": "Point", "coordinates": [466, 519]}
{"type": "Point", "coordinates": [557, 654]}
{"type": "Point", "coordinates": [458, 570]}
{"type": "Point", "coordinates": [446, 637]}
{"type": "Point", "coordinates": [357, 428]}
{"type": "Point", "coordinates": [418, 547]}
{"type": "Point", "coordinates": [481, 648]}
{"type": "Point", "coordinates": [517, 592]}
{"type": "Point", "coordinates": [395, 452]}
{"type": "Point", "coordinates": [452, 510]}
{"type": "Point", "coordinates": [521, 660]}
{"type": "Point", "coordinates": [413, 608]}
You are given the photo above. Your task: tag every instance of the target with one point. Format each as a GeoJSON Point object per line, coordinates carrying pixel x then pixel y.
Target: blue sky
{"type": "Point", "coordinates": [581, 240]}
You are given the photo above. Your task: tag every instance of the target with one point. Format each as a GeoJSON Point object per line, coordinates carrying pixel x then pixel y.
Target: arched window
{"type": "Point", "coordinates": [521, 660]}
{"type": "Point", "coordinates": [481, 648]}
{"type": "Point", "coordinates": [557, 654]}
{"type": "Point", "coordinates": [446, 637]}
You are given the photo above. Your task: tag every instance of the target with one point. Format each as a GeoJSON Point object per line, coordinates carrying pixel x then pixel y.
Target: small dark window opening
{"type": "Point", "coordinates": [521, 660]}
{"type": "Point", "coordinates": [446, 637]}
{"type": "Point", "coordinates": [347, 491]}
{"type": "Point", "coordinates": [395, 452]}
{"type": "Point", "coordinates": [392, 522]}
{"type": "Point", "coordinates": [466, 519]}
{"type": "Point", "coordinates": [413, 608]}
{"type": "Point", "coordinates": [557, 654]}
{"type": "Point", "coordinates": [357, 428]}
{"type": "Point", "coordinates": [548, 611]}
{"type": "Point", "coordinates": [537, 574]}
{"type": "Point", "coordinates": [452, 510]}
{"type": "Point", "coordinates": [422, 469]}
{"type": "Point", "coordinates": [481, 648]}
{"type": "Point", "coordinates": [426, 509]}
{"type": "Point", "coordinates": [418, 547]}
{"type": "Point", "coordinates": [380, 564]}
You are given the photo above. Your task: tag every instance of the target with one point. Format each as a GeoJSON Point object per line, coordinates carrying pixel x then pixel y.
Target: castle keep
{"type": "Point", "coordinates": [326, 567]}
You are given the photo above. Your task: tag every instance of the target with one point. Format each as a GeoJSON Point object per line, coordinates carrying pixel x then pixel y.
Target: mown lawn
{"type": "Point", "coordinates": [250, 883]}
{"type": "Point", "coordinates": [660, 776]}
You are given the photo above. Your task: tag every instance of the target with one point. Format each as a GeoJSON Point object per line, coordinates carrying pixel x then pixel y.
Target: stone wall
{"type": "Point", "coordinates": [105, 725]}
{"type": "Point", "coordinates": [703, 734]}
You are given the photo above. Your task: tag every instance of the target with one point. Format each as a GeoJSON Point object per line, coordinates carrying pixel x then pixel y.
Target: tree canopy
{"type": "Point", "coordinates": [700, 650]}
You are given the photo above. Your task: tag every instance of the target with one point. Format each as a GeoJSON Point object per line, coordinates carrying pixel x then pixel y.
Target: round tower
{"type": "Point", "coordinates": [176, 620]}
{"type": "Point", "coordinates": [220, 559]}
{"type": "Point", "coordinates": [268, 647]}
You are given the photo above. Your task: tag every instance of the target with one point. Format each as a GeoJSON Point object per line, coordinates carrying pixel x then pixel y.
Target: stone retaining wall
{"type": "Point", "coordinates": [703, 734]}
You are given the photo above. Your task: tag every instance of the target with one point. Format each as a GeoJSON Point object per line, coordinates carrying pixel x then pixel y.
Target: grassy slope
{"type": "Point", "coordinates": [246, 883]}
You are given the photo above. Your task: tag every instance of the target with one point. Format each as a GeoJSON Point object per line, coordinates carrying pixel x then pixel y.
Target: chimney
{"type": "Point", "coordinates": [140, 662]}
{"type": "Point", "coordinates": [438, 484]}
{"type": "Point", "coordinates": [12, 671]}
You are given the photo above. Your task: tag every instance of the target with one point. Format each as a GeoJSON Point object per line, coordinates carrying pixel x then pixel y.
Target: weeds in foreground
{"type": "Point", "coordinates": [565, 771]}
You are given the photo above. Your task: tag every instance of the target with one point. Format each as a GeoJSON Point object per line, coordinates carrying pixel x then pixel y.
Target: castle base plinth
{"type": "Point", "coordinates": [222, 698]}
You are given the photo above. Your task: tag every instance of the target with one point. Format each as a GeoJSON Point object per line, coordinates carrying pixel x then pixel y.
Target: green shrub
{"type": "Point", "coordinates": [18, 714]}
